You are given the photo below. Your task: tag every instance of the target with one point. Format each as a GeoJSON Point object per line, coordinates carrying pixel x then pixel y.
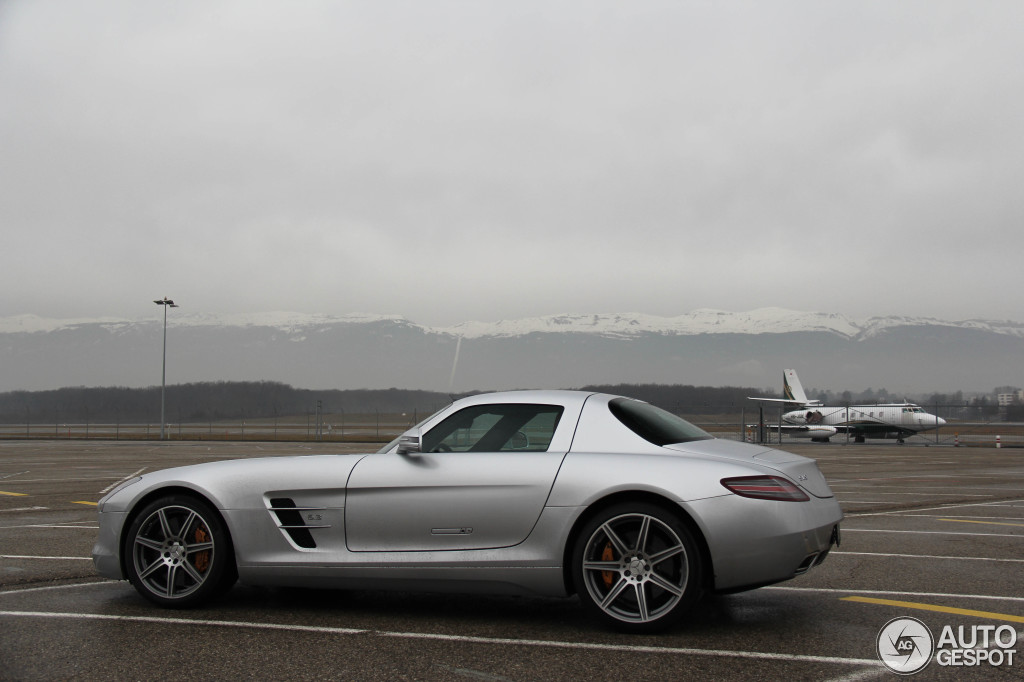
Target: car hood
{"type": "Point", "coordinates": [802, 470]}
{"type": "Point", "coordinates": [241, 483]}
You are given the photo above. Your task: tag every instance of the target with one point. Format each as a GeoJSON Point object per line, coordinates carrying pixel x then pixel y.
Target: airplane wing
{"type": "Point", "coordinates": [787, 401]}
{"type": "Point", "coordinates": [812, 431]}
{"type": "Point", "coordinates": [874, 429]}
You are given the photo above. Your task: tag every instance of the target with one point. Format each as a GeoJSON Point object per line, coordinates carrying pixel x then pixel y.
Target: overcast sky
{"type": "Point", "coordinates": [452, 161]}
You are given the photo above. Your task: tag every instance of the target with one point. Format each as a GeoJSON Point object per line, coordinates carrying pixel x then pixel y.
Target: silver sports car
{"type": "Point", "coordinates": [545, 492]}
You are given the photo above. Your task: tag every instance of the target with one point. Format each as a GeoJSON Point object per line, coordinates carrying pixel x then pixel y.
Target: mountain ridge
{"type": "Point", "coordinates": [705, 347]}
{"type": "Point", "coordinates": [614, 325]}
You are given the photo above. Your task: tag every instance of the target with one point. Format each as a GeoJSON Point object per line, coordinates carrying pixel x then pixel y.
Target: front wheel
{"type": "Point", "coordinates": [178, 552]}
{"type": "Point", "coordinates": [637, 567]}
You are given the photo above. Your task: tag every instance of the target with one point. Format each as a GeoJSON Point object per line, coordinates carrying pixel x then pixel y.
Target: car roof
{"type": "Point", "coordinates": [550, 396]}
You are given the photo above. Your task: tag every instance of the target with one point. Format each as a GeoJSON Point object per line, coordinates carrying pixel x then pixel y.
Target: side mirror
{"type": "Point", "coordinates": [409, 445]}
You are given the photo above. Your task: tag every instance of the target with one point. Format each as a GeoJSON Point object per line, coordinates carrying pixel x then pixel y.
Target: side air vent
{"type": "Point", "coordinates": [289, 520]}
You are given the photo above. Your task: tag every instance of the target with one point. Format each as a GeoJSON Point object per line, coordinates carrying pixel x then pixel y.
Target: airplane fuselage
{"type": "Point", "coordinates": [820, 422]}
{"type": "Point", "coordinates": [893, 420]}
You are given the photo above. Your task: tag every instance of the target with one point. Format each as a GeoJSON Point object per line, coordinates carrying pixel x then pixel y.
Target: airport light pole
{"type": "Point", "coordinates": [166, 303]}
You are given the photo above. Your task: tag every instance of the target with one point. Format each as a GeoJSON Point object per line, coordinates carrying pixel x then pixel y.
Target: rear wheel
{"type": "Point", "coordinates": [178, 552]}
{"type": "Point", "coordinates": [637, 567]}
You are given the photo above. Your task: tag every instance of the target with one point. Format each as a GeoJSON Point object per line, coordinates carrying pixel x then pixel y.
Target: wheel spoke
{"type": "Point", "coordinates": [149, 544]}
{"type": "Point", "coordinates": [641, 538]}
{"type": "Point", "coordinates": [616, 541]}
{"type": "Point", "coordinates": [171, 574]}
{"type": "Point", "coordinates": [151, 568]}
{"type": "Point", "coordinates": [192, 572]}
{"type": "Point", "coordinates": [183, 531]}
{"type": "Point", "coordinates": [665, 584]}
{"type": "Point", "coordinates": [656, 559]}
{"type": "Point", "coordinates": [199, 547]}
{"type": "Point", "coordinates": [165, 525]}
{"type": "Point", "coordinates": [602, 566]}
{"type": "Point", "coordinates": [641, 601]}
{"type": "Point", "coordinates": [613, 594]}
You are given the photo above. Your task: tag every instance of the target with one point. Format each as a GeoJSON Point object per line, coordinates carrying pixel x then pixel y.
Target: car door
{"type": "Point", "coordinates": [480, 481]}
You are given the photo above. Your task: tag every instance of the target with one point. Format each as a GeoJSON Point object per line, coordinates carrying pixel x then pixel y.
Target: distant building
{"type": "Point", "coordinates": [1005, 399]}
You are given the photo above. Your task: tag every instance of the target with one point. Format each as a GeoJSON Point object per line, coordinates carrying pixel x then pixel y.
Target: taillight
{"type": "Point", "coordinates": [765, 488]}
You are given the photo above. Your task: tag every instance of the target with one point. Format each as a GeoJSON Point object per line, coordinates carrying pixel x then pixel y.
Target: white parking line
{"type": "Point", "coordinates": [931, 532]}
{"type": "Point", "coordinates": [58, 480]}
{"type": "Point", "coordinates": [870, 674]}
{"type": "Point", "coordinates": [58, 587]}
{"type": "Point", "coordinates": [50, 525]}
{"type": "Point", "coordinates": [925, 556]}
{"type": "Point", "coordinates": [893, 593]}
{"type": "Point", "coordinates": [121, 480]}
{"type": "Point", "coordinates": [925, 487]}
{"type": "Point", "coordinates": [430, 636]}
{"type": "Point", "coordinates": [58, 558]}
{"type": "Point", "coordinates": [961, 516]}
{"type": "Point", "coordinates": [940, 508]}
{"type": "Point", "coordinates": [877, 492]}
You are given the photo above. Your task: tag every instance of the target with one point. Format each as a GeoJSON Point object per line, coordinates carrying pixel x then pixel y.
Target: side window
{"type": "Point", "coordinates": [654, 424]}
{"type": "Point", "coordinates": [513, 427]}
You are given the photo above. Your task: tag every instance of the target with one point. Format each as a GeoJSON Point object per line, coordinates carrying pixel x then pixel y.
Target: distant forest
{"type": "Point", "coordinates": [206, 401]}
{"type": "Point", "coordinates": [216, 401]}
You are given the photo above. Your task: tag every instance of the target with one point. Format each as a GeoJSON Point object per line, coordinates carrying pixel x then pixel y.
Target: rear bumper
{"type": "Point", "coordinates": [761, 542]}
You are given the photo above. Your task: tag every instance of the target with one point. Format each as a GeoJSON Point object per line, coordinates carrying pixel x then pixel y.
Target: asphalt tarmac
{"type": "Point", "coordinates": [932, 533]}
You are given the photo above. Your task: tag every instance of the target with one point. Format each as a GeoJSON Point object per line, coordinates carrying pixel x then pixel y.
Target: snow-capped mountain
{"type": "Point", "coordinates": [613, 325]}
{"type": "Point", "coordinates": [706, 321]}
{"type": "Point", "coordinates": [705, 347]}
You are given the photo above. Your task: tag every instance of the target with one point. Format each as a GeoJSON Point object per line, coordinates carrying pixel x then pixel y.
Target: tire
{"type": "Point", "coordinates": [636, 566]}
{"type": "Point", "coordinates": [178, 553]}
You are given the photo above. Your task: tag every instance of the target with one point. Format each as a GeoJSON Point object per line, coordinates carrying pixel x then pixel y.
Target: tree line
{"type": "Point", "coordinates": [226, 400]}
{"type": "Point", "coordinates": [205, 401]}
{"type": "Point", "coordinates": [685, 399]}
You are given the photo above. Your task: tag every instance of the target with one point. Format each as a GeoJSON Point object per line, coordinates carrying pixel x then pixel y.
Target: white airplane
{"type": "Point", "coordinates": [820, 422]}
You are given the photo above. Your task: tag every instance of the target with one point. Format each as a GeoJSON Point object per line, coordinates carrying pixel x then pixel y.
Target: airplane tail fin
{"type": "Point", "coordinates": [792, 388]}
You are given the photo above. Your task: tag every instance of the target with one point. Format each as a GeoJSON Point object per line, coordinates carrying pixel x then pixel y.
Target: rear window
{"type": "Point", "coordinates": [654, 424]}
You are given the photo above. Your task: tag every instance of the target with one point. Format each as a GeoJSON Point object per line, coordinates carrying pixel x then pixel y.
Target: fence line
{"type": "Point", "coordinates": [383, 428]}
{"type": "Point", "coordinates": [356, 428]}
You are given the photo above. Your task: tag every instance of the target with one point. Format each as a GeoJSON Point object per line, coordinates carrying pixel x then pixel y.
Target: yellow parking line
{"type": "Point", "coordinates": [14, 494]}
{"type": "Point", "coordinates": [92, 504]}
{"type": "Point", "coordinates": [941, 609]}
{"type": "Point", "coordinates": [987, 523]}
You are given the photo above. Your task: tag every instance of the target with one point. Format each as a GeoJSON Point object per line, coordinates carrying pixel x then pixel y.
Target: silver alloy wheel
{"type": "Point", "coordinates": [635, 568]}
{"type": "Point", "coordinates": [173, 552]}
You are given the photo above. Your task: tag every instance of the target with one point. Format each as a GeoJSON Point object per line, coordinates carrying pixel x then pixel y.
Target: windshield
{"type": "Point", "coordinates": [654, 424]}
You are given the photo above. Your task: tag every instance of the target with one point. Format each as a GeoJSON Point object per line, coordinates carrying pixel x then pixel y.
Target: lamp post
{"type": "Point", "coordinates": [166, 303]}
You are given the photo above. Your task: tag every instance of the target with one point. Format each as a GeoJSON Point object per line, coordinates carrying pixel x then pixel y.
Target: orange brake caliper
{"type": "Point", "coordinates": [202, 560]}
{"type": "Point", "coordinates": [608, 555]}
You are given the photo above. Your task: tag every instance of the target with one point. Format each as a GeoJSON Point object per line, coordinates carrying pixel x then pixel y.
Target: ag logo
{"type": "Point", "coordinates": [905, 645]}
